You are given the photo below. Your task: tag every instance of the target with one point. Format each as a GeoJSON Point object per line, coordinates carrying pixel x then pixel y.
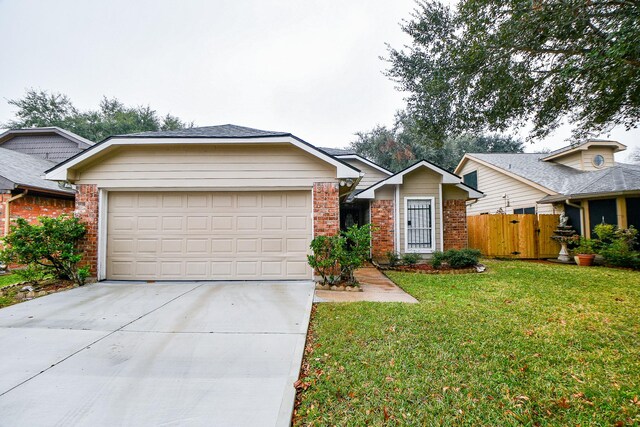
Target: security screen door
{"type": "Point", "coordinates": [419, 225]}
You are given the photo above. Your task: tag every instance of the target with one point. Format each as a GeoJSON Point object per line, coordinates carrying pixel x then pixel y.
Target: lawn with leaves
{"type": "Point", "coordinates": [522, 344]}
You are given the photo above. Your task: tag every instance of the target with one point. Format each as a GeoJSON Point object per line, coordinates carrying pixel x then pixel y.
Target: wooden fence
{"type": "Point", "coordinates": [514, 236]}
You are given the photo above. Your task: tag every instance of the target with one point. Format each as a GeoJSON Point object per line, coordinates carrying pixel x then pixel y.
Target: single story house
{"type": "Point", "coordinates": [25, 154]}
{"type": "Point", "coordinates": [582, 180]}
{"type": "Point", "coordinates": [235, 203]}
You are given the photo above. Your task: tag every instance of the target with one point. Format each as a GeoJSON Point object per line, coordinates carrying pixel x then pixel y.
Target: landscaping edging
{"type": "Point", "coordinates": [477, 269]}
{"type": "Point", "coordinates": [338, 288]}
{"type": "Point", "coordinates": [25, 295]}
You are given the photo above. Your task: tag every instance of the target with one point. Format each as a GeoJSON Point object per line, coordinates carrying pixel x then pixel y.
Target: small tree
{"type": "Point", "coordinates": [52, 244]}
{"type": "Point", "coordinates": [324, 259]}
{"type": "Point", "coordinates": [356, 244]}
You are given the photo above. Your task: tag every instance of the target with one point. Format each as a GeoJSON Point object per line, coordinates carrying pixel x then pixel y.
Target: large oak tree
{"type": "Point", "coordinates": [504, 64]}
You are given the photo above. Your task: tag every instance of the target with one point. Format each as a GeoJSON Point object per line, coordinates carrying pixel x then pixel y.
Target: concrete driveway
{"type": "Point", "coordinates": [137, 354]}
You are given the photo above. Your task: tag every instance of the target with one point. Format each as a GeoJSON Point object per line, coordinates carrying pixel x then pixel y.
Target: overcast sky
{"type": "Point", "coordinates": [307, 67]}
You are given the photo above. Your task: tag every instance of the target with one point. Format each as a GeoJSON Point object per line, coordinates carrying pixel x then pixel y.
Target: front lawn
{"type": "Point", "coordinates": [523, 344]}
{"type": "Point", "coordinates": [9, 279]}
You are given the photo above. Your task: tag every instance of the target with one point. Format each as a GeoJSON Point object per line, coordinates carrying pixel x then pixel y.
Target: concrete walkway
{"type": "Point", "coordinates": [376, 287]}
{"type": "Point", "coordinates": [164, 354]}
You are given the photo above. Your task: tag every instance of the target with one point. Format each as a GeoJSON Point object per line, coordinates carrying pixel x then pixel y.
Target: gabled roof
{"type": "Point", "coordinates": [398, 178]}
{"type": "Point", "coordinates": [83, 143]}
{"type": "Point", "coordinates": [222, 134]}
{"type": "Point", "coordinates": [22, 170]}
{"type": "Point", "coordinates": [569, 149]}
{"type": "Point", "coordinates": [337, 151]}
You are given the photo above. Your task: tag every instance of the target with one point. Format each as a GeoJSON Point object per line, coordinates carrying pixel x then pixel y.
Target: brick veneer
{"type": "Point", "coordinates": [455, 224]}
{"type": "Point", "coordinates": [326, 209]}
{"type": "Point", "coordinates": [382, 234]}
{"type": "Point", "coordinates": [87, 212]}
{"type": "Point", "coordinates": [30, 207]}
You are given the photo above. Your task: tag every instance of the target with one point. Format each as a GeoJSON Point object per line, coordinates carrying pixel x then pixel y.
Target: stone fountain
{"type": "Point", "coordinates": [564, 233]}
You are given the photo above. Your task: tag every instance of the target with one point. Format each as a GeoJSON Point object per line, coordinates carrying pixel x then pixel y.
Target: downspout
{"type": "Point", "coordinates": [581, 209]}
{"type": "Point", "coordinates": [7, 210]}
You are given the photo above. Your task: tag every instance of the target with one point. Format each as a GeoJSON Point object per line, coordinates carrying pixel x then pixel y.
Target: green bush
{"type": "Point", "coordinates": [337, 257]}
{"type": "Point", "coordinates": [437, 259]}
{"type": "Point", "coordinates": [585, 247]}
{"type": "Point", "coordinates": [462, 258]}
{"type": "Point", "coordinates": [324, 259]}
{"type": "Point", "coordinates": [52, 244]}
{"type": "Point", "coordinates": [410, 259]}
{"type": "Point", "coordinates": [394, 258]}
{"type": "Point", "coordinates": [32, 274]}
{"type": "Point", "coordinates": [616, 246]}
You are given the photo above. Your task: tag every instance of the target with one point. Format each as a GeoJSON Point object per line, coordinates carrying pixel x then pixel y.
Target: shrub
{"type": "Point", "coordinates": [324, 259]}
{"type": "Point", "coordinates": [52, 244]}
{"type": "Point", "coordinates": [616, 246]}
{"type": "Point", "coordinates": [410, 259]}
{"type": "Point", "coordinates": [337, 257]}
{"type": "Point", "coordinates": [437, 259]}
{"type": "Point", "coordinates": [32, 274]}
{"type": "Point", "coordinates": [585, 247]}
{"type": "Point", "coordinates": [462, 258]}
{"type": "Point", "coordinates": [355, 247]}
{"type": "Point", "coordinates": [394, 258]}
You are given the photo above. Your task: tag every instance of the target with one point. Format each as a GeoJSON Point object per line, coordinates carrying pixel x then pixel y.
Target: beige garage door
{"type": "Point", "coordinates": [208, 236]}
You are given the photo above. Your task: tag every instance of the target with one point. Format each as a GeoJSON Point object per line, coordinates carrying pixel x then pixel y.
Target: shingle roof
{"type": "Point", "coordinates": [337, 151]}
{"type": "Point", "coordinates": [220, 131]}
{"type": "Point", "coordinates": [25, 170]}
{"type": "Point", "coordinates": [564, 179]}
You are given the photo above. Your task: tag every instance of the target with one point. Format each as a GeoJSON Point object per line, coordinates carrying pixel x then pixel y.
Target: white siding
{"type": "Point", "coordinates": [494, 184]}
{"type": "Point", "coordinates": [573, 160]}
{"type": "Point", "coordinates": [588, 155]}
{"type": "Point", "coordinates": [207, 166]}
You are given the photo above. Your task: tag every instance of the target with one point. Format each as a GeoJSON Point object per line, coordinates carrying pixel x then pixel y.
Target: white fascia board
{"type": "Point", "coordinates": [398, 179]}
{"type": "Point", "coordinates": [60, 173]}
{"type": "Point", "coordinates": [365, 161]}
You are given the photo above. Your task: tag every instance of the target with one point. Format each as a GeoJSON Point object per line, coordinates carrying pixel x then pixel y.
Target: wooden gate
{"type": "Point", "coordinates": [514, 236]}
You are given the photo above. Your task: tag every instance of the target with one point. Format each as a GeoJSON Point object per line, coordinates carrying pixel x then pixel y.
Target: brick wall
{"type": "Point", "coordinates": [30, 207]}
{"type": "Point", "coordinates": [326, 209]}
{"type": "Point", "coordinates": [382, 220]}
{"type": "Point", "coordinates": [455, 224]}
{"type": "Point", "coordinates": [87, 212]}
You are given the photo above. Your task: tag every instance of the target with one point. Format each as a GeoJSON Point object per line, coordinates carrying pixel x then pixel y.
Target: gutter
{"type": "Point", "coordinates": [7, 210]}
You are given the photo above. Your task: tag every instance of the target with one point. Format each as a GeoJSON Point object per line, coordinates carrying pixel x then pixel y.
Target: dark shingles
{"type": "Point", "coordinates": [220, 131]}
{"type": "Point", "coordinates": [23, 169]}
{"type": "Point", "coordinates": [337, 151]}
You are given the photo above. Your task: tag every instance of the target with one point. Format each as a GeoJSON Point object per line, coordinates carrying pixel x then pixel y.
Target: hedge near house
{"type": "Point", "coordinates": [50, 247]}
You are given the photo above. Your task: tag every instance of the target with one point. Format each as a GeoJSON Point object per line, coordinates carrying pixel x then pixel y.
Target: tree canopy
{"type": "Point", "coordinates": [404, 144]}
{"type": "Point", "coordinates": [41, 109]}
{"type": "Point", "coordinates": [490, 65]}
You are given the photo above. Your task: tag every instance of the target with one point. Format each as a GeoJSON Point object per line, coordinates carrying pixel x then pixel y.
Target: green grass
{"type": "Point", "coordinates": [9, 279]}
{"type": "Point", "coordinates": [523, 344]}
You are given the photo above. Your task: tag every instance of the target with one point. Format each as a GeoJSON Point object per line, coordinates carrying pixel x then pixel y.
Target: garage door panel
{"type": "Point", "coordinates": [200, 236]}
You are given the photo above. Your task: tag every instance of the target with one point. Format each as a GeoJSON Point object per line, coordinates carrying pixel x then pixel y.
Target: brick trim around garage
{"type": "Point", "coordinates": [326, 209]}
{"type": "Point", "coordinates": [87, 208]}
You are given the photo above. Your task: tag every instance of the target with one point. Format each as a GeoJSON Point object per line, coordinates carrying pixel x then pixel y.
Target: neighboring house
{"type": "Point", "coordinates": [234, 203]}
{"type": "Point", "coordinates": [25, 154]}
{"type": "Point", "coordinates": [582, 180]}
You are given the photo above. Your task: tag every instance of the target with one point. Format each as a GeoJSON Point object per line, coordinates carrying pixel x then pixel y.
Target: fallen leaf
{"type": "Point", "coordinates": [563, 403]}
{"type": "Point", "coordinates": [386, 413]}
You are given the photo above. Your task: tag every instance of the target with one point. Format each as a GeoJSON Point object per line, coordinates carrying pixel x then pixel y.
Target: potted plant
{"type": "Point", "coordinates": [585, 252]}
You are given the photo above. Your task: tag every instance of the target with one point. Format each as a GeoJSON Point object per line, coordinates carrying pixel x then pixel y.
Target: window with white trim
{"type": "Point", "coordinates": [419, 225]}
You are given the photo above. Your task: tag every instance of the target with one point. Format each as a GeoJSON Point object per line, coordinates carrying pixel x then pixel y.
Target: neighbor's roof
{"type": "Point", "coordinates": [220, 131]}
{"type": "Point", "coordinates": [11, 133]}
{"type": "Point", "coordinates": [338, 151]}
{"type": "Point", "coordinates": [23, 170]}
{"type": "Point", "coordinates": [561, 179]}
{"type": "Point", "coordinates": [561, 152]}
